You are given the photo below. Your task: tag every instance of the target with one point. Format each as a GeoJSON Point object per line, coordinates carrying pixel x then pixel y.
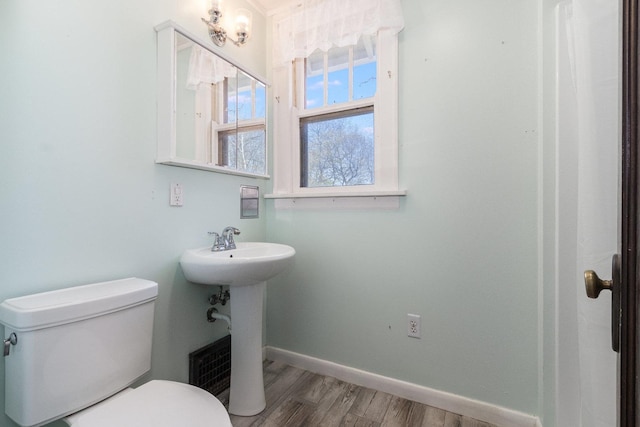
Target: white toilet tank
{"type": "Point", "coordinates": [75, 347]}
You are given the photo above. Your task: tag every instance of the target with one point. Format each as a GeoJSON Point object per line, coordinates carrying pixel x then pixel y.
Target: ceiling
{"type": "Point", "coordinates": [270, 5]}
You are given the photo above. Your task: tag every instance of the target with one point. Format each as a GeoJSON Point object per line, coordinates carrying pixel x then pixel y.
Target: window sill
{"type": "Point", "coordinates": [363, 200]}
{"type": "Point", "coordinates": [209, 167]}
{"type": "Point", "coordinates": [335, 195]}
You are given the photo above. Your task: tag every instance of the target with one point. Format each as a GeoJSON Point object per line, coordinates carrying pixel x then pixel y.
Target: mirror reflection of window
{"type": "Point", "coordinates": [220, 112]}
{"type": "Point", "coordinates": [244, 147]}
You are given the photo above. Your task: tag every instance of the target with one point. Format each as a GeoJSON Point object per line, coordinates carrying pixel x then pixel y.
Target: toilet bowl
{"type": "Point", "coordinates": [74, 353]}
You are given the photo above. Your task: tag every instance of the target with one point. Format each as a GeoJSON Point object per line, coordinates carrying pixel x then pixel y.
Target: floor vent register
{"type": "Point", "coordinates": [210, 366]}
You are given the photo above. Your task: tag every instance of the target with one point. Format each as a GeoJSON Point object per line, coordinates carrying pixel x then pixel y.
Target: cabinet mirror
{"type": "Point", "coordinates": [211, 112]}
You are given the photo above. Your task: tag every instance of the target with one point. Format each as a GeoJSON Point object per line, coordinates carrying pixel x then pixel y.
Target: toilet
{"type": "Point", "coordinates": [73, 354]}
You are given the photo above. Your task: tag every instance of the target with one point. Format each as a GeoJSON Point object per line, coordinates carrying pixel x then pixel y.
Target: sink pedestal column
{"type": "Point", "coordinates": [246, 396]}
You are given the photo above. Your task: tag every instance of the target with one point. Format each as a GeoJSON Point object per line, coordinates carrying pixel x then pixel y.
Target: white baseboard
{"type": "Point", "coordinates": [450, 402]}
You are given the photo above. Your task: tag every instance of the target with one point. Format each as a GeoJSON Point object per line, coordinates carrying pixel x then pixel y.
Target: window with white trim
{"type": "Point", "coordinates": [336, 88]}
{"type": "Point", "coordinates": [336, 133]}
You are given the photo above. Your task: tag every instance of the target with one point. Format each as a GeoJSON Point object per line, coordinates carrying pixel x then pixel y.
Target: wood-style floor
{"type": "Point", "coordinates": [298, 398]}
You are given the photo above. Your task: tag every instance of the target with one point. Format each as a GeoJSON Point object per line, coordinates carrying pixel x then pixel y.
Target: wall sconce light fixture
{"type": "Point", "coordinates": [242, 25]}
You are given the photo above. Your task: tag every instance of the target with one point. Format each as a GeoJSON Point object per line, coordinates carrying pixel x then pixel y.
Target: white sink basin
{"type": "Point", "coordinates": [249, 264]}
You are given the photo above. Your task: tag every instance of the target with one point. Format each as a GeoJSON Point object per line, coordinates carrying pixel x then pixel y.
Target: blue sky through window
{"type": "Point", "coordinates": [247, 102]}
{"type": "Point", "coordinates": [339, 146]}
{"type": "Point", "coordinates": [364, 85]}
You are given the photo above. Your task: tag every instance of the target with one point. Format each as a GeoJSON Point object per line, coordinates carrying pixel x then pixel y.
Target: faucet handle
{"type": "Point", "coordinates": [218, 243]}
{"type": "Point", "coordinates": [227, 237]}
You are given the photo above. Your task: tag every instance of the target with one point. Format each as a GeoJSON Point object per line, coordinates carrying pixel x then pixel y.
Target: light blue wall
{"type": "Point", "coordinates": [462, 248]}
{"type": "Point", "coordinates": [81, 199]}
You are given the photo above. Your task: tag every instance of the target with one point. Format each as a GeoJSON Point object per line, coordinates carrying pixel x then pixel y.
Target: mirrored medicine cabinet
{"type": "Point", "coordinates": [211, 111]}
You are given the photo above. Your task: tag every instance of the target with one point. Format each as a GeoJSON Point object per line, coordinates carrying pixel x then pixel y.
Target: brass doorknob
{"type": "Point", "coordinates": [594, 284]}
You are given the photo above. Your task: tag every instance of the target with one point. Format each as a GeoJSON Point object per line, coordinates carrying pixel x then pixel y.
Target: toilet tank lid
{"type": "Point", "coordinates": [67, 305]}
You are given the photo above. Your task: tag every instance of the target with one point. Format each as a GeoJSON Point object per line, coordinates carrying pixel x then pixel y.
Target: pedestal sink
{"type": "Point", "coordinates": [246, 270]}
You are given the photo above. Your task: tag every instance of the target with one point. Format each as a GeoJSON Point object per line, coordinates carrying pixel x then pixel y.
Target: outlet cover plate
{"type": "Point", "coordinates": [414, 326]}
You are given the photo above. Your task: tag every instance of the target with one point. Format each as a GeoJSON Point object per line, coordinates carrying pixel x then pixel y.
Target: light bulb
{"type": "Point", "coordinates": [215, 4]}
{"type": "Point", "coordinates": [243, 22]}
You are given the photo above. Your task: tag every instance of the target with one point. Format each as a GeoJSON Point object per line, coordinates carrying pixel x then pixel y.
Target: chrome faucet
{"type": "Point", "coordinates": [227, 237]}
{"type": "Point", "coordinates": [218, 245]}
{"type": "Point", "coordinates": [225, 241]}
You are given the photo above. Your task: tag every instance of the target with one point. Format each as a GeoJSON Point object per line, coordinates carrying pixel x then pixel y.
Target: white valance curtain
{"type": "Point", "coordinates": [321, 24]}
{"type": "Point", "coordinates": [205, 67]}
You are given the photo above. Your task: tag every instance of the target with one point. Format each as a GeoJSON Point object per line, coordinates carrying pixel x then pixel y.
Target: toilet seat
{"type": "Point", "coordinates": [157, 403]}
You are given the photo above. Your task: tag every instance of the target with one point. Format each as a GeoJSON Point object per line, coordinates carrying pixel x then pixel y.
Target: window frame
{"type": "Point", "coordinates": [287, 150]}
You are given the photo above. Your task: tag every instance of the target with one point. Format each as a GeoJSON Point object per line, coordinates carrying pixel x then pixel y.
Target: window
{"type": "Point", "coordinates": [336, 121]}
{"type": "Point", "coordinates": [337, 149]}
{"type": "Point", "coordinates": [341, 74]}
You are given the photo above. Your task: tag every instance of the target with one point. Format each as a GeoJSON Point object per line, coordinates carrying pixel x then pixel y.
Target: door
{"type": "Point", "coordinates": [625, 275]}
{"type": "Point", "coordinates": [628, 382]}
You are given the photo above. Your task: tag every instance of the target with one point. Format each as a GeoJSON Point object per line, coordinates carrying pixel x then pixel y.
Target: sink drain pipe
{"type": "Point", "coordinates": [213, 315]}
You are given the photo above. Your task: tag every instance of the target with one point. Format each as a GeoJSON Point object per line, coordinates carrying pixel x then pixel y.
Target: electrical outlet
{"type": "Point", "coordinates": [414, 326]}
{"type": "Point", "coordinates": [177, 196]}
